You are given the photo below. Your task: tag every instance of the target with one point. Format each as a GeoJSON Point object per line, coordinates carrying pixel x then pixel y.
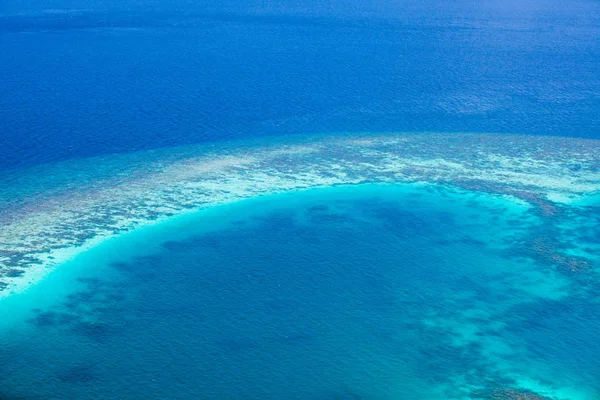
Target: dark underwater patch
{"type": "Point", "coordinates": [99, 332]}
{"type": "Point", "coordinates": [14, 273]}
{"type": "Point", "coordinates": [82, 374]}
{"type": "Point", "coordinates": [45, 319]}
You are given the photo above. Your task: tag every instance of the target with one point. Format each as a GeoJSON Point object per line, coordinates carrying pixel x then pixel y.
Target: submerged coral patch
{"type": "Point", "coordinates": [39, 231]}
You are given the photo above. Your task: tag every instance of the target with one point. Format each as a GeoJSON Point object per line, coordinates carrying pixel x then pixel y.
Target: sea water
{"type": "Point", "coordinates": [370, 292]}
{"type": "Point", "coordinates": [362, 293]}
{"type": "Point", "coordinates": [89, 78]}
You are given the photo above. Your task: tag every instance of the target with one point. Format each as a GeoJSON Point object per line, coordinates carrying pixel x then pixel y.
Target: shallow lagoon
{"type": "Point", "coordinates": [375, 292]}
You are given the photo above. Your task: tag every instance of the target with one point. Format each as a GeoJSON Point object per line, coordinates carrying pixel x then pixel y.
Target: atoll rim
{"type": "Point", "coordinates": [47, 228]}
{"type": "Point", "coordinates": [512, 223]}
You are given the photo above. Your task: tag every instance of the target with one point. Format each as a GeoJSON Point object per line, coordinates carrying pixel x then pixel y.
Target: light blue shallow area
{"type": "Point", "coordinates": [367, 292]}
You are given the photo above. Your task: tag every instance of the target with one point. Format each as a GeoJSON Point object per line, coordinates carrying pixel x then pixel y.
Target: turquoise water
{"type": "Point", "coordinates": [368, 292]}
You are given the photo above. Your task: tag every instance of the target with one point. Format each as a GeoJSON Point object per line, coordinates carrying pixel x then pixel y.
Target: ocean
{"type": "Point", "coordinates": [299, 200]}
{"type": "Point", "coordinates": [85, 79]}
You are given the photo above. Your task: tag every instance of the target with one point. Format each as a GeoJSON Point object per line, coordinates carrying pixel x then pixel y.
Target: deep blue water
{"type": "Point", "coordinates": [94, 77]}
{"type": "Point", "coordinates": [347, 293]}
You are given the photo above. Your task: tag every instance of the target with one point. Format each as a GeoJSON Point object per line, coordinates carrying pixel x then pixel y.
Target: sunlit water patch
{"type": "Point", "coordinates": [369, 292]}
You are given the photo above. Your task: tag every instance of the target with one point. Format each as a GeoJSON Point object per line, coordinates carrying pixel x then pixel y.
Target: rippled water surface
{"type": "Point", "coordinates": [475, 276]}
{"type": "Point", "coordinates": [375, 293]}
{"type": "Point", "coordinates": [97, 77]}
